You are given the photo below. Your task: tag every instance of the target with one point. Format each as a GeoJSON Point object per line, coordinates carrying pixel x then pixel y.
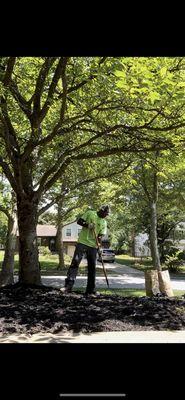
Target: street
{"type": "Point", "coordinates": [122, 277]}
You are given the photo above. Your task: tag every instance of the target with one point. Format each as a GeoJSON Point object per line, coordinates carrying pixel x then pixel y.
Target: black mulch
{"type": "Point", "coordinates": [31, 310]}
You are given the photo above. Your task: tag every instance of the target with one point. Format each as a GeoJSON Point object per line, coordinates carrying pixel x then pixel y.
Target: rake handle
{"type": "Point", "coordinates": [101, 258]}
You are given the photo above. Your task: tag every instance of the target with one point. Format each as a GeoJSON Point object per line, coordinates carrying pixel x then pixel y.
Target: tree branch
{"type": "Point", "coordinates": [9, 70]}
{"type": "Point", "coordinates": [40, 85]}
{"type": "Point", "coordinates": [81, 183]}
{"type": "Point", "coordinates": [23, 104]}
{"type": "Point", "coordinates": [58, 72]}
{"type": "Point", "coordinates": [8, 174]}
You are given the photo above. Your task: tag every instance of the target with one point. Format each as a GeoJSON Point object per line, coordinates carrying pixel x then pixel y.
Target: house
{"type": "Point", "coordinates": [141, 246]}
{"type": "Point", "coordinates": [46, 236]}
{"type": "Point", "coordinates": [176, 237]}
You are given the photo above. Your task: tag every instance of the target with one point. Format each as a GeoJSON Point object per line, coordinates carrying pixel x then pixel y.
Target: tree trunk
{"type": "Point", "coordinates": [29, 271]}
{"type": "Point", "coordinates": [157, 281]}
{"type": "Point", "coordinates": [133, 252]}
{"type": "Point", "coordinates": [60, 247]}
{"type": "Point", "coordinates": [7, 272]}
{"type": "Point", "coordinates": [151, 277]}
{"type": "Point", "coordinates": [151, 283]}
{"type": "Point", "coordinates": [153, 236]}
{"type": "Point", "coordinates": [162, 252]}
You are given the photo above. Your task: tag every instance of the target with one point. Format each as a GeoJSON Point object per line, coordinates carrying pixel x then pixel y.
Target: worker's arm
{"type": "Point", "coordinates": [82, 222]}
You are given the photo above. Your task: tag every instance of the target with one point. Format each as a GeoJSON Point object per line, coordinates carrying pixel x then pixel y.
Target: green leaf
{"type": "Point", "coordinates": [163, 72]}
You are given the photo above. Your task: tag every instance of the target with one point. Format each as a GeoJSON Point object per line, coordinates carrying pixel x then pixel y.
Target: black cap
{"type": "Point", "coordinates": [105, 208]}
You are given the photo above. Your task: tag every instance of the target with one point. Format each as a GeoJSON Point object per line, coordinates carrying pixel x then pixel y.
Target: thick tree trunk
{"type": "Point", "coordinates": [7, 272]}
{"type": "Point", "coordinates": [29, 271]}
{"type": "Point", "coordinates": [60, 247]}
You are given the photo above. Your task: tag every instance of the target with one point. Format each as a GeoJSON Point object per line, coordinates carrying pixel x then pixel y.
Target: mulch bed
{"type": "Point", "coordinates": [33, 310]}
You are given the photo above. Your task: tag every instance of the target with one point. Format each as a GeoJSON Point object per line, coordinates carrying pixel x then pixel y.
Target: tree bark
{"type": "Point", "coordinates": [163, 285]}
{"type": "Point", "coordinates": [60, 247]}
{"type": "Point", "coordinates": [153, 236]}
{"type": "Point", "coordinates": [29, 271]}
{"type": "Point", "coordinates": [133, 252]}
{"type": "Point", "coordinates": [7, 272]}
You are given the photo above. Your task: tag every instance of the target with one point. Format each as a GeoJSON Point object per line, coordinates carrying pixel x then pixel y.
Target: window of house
{"type": "Point", "coordinates": [68, 232]}
{"type": "Point", "coordinates": [79, 230]}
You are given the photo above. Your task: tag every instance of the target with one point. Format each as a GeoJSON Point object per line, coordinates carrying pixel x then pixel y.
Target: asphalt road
{"type": "Point", "coordinates": [122, 277]}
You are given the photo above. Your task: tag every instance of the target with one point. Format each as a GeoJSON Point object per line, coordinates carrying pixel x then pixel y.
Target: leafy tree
{"type": "Point", "coordinates": [57, 111]}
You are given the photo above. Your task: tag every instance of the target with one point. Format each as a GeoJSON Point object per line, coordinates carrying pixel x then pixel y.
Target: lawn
{"type": "Point", "coordinates": [142, 264]}
{"type": "Point", "coordinates": [49, 265]}
{"type": "Point", "coordinates": [129, 292]}
{"type": "Point", "coordinates": [134, 262]}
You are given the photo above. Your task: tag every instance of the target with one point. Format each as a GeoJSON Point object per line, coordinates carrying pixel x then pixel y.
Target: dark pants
{"type": "Point", "coordinates": [91, 254]}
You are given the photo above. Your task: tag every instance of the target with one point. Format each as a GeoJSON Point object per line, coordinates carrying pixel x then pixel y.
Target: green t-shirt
{"type": "Point", "coordinates": [86, 235]}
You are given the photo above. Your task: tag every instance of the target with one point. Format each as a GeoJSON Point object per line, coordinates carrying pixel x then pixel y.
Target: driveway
{"type": "Point", "coordinates": [124, 277]}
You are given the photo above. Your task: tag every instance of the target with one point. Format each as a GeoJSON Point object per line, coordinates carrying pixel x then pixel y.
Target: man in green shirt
{"type": "Point", "coordinates": [90, 221]}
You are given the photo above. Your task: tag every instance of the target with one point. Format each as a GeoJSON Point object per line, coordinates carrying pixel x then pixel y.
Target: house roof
{"type": "Point", "coordinates": [45, 231]}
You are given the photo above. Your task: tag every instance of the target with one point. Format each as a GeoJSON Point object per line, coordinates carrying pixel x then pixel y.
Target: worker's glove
{"type": "Point", "coordinates": [91, 226]}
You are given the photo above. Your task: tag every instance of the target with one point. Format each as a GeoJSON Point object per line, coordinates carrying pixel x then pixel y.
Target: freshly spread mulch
{"type": "Point", "coordinates": [33, 310]}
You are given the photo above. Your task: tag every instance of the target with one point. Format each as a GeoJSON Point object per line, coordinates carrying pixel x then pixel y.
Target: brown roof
{"type": "Point", "coordinates": [45, 230]}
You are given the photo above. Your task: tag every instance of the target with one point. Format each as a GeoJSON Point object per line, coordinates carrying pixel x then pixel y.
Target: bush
{"type": "Point", "coordinates": [175, 261]}
{"type": "Point", "coordinates": [170, 250]}
{"type": "Point", "coordinates": [181, 255]}
{"type": "Point", "coordinates": [67, 259]}
{"type": "Point", "coordinates": [44, 251]}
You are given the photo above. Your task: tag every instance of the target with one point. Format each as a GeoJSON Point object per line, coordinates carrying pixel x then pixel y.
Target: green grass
{"type": "Point", "coordinates": [49, 264]}
{"type": "Point", "coordinates": [125, 259]}
{"type": "Point", "coordinates": [134, 262]}
{"type": "Point", "coordinates": [141, 264]}
{"type": "Point", "coordinates": [129, 292]}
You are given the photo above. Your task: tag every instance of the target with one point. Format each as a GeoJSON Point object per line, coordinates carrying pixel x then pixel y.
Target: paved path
{"type": "Point", "coordinates": [99, 337]}
{"type": "Point", "coordinates": [124, 278]}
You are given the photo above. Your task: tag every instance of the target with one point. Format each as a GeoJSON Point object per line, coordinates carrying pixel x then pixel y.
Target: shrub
{"type": "Point", "coordinates": [67, 259]}
{"type": "Point", "coordinates": [44, 251]}
{"type": "Point", "coordinates": [174, 262]}
{"type": "Point", "coordinates": [181, 255]}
